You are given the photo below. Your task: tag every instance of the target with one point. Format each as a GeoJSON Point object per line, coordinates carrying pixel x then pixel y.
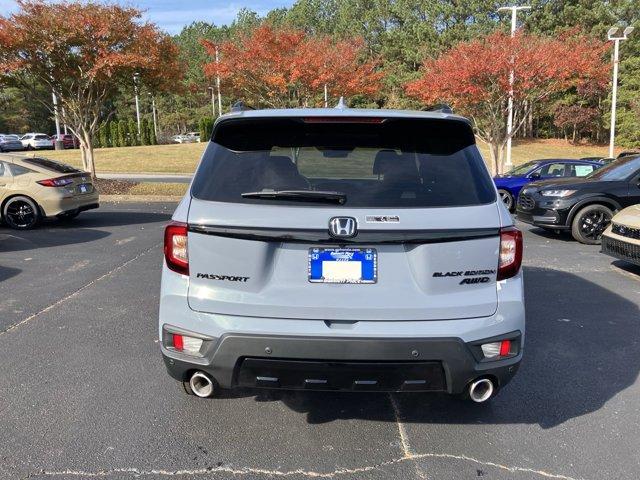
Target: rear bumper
{"type": "Point", "coordinates": [55, 204]}
{"type": "Point", "coordinates": [346, 364]}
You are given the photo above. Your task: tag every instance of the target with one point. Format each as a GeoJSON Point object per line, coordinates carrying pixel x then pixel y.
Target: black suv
{"type": "Point", "coordinates": [583, 205]}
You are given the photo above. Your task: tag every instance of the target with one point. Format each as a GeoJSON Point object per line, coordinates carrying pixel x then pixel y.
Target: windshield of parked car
{"type": "Point", "coordinates": [621, 169]}
{"type": "Point", "coordinates": [42, 137]}
{"type": "Point", "coordinates": [395, 163]}
{"type": "Point", "coordinates": [51, 165]}
{"type": "Point", "coordinates": [522, 169]}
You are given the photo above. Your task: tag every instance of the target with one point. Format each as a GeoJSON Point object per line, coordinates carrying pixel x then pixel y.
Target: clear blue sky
{"type": "Point", "coordinates": [172, 15]}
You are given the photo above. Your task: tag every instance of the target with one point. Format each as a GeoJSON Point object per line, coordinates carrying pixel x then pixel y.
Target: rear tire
{"type": "Point", "coordinates": [589, 224]}
{"type": "Point", "coordinates": [21, 213]}
{"type": "Point", "coordinates": [507, 199]}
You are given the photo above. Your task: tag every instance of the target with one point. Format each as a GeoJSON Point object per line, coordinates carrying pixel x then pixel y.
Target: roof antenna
{"type": "Point", "coordinates": [341, 105]}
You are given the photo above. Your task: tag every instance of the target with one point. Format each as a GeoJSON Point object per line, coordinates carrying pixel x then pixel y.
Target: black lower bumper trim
{"type": "Point", "coordinates": [326, 375]}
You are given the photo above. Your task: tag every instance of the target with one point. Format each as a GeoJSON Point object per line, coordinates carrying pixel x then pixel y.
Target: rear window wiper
{"type": "Point", "coordinates": [320, 196]}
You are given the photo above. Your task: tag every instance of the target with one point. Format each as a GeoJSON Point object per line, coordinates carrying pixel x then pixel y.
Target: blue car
{"type": "Point", "coordinates": [510, 184]}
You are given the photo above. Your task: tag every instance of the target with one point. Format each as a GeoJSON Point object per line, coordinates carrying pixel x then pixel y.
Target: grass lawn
{"type": "Point", "coordinates": [184, 158]}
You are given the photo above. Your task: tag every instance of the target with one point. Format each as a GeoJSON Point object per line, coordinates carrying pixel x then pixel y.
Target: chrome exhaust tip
{"type": "Point", "coordinates": [201, 384]}
{"type": "Point", "coordinates": [481, 390]}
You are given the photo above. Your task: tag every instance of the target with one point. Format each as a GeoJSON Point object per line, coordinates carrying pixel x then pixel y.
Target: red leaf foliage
{"type": "Point", "coordinates": [79, 43]}
{"type": "Point", "coordinates": [281, 67]}
{"type": "Point", "coordinates": [474, 75]}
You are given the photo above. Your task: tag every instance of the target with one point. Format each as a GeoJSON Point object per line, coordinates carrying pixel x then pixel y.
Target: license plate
{"type": "Point", "coordinates": [343, 265]}
{"type": "Point", "coordinates": [84, 188]}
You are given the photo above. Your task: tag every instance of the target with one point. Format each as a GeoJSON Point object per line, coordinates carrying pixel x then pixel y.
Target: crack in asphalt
{"type": "Point", "coordinates": [76, 292]}
{"type": "Point", "coordinates": [135, 472]}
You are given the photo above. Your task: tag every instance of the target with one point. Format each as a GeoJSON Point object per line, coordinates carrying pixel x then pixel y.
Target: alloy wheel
{"type": "Point", "coordinates": [594, 223]}
{"type": "Point", "coordinates": [21, 214]}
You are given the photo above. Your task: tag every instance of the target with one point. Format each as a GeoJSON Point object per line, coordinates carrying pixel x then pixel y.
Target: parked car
{"type": "Point", "coordinates": [37, 141]}
{"type": "Point", "coordinates": [510, 184]}
{"type": "Point", "coordinates": [582, 205]}
{"type": "Point", "coordinates": [34, 188]}
{"type": "Point", "coordinates": [191, 137]}
{"type": "Point", "coordinates": [342, 249]}
{"type": "Point", "coordinates": [621, 239]}
{"type": "Point", "coordinates": [10, 143]}
{"type": "Point", "coordinates": [68, 141]}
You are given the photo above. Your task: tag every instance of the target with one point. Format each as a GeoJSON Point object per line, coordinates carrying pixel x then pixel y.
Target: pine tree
{"type": "Point", "coordinates": [113, 134]}
{"type": "Point", "coordinates": [133, 139]}
{"type": "Point", "coordinates": [144, 132]}
{"type": "Point", "coordinates": [123, 131]}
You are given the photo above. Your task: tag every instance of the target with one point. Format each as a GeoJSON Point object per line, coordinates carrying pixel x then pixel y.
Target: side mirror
{"type": "Point", "coordinates": [535, 176]}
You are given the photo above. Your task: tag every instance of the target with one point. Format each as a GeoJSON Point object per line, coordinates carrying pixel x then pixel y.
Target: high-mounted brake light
{"type": "Point", "coordinates": [55, 182]}
{"type": "Point", "coordinates": [374, 120]}
{"type": "Point", "coordinates": [175, 247]}
{"type": "Point", "coordinates": [510, 258]}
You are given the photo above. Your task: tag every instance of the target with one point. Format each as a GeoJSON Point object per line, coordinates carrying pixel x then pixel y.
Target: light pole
{"type": "Point", "coordinates": [213, 102]}
{"type": "Point", "coordinates": [136, 81]}
{"type": "Point", "coordinates": [218, 82]}
{"type": "Point", "coordinates": [615, 34]}
{"type": "Point", "coordinates": [514, 14]}
{"type": "Point", "coordinates": [153, 111]}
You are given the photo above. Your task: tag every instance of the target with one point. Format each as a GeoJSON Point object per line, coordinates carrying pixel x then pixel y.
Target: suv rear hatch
{"type": "Point", "coordinates": [416, 235]}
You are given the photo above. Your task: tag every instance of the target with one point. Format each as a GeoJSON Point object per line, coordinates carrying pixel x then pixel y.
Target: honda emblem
{"type": "Point", "coordinates": [343, 227]}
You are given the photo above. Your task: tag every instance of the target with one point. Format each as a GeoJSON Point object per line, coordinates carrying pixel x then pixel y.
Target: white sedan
{"type": "Point", "coordinates": [36, 141]}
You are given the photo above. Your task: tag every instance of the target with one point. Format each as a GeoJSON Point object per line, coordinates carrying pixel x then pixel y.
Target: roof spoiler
{"type": "Point", "coordinates": [240, 106]}
{"type": "Point", "coordinates": [439, 107]}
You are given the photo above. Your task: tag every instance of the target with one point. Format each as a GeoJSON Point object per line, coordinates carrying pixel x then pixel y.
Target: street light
{"type": "Point", "coordinates": [615, 34]}
{"type": "Point", "coordinates": [514, 14]}
{"type": "Point", "coordinates": [213, 101]}
{"type": "Point", "coordinates": [136, 81]}
{"type": "Point", "coordinates": [153, 110]}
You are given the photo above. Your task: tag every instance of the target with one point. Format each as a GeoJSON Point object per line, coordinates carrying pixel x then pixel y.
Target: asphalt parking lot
{"type": "Point", "coordinates": [84, 392]}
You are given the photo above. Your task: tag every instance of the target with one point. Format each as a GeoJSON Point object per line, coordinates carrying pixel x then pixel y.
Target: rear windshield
{"type": "Point", "coordinates": [51, 165]}
{"type": "Point", "coordinates": [373, 163]}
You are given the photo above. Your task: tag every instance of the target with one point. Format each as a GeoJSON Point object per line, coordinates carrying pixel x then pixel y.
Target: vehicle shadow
{"type": "Point", "coordinates": [582, 348]}
{"type": "Point", "coordinates": [85, 228]}
{"type": "Point", "coordinates": [7, 272]}
{"type": "Point", "coordinates": [561, 235]}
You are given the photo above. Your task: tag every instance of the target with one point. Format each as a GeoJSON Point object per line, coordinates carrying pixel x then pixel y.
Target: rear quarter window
{"type": "Point", "coordinates": [410, 163]}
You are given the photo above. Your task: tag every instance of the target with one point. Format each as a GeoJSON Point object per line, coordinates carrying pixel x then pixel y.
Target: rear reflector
{"type": "Point", "coordinates": [510, 258]}
{"type": "Point", "coordinates": [178, 343]}
{"type": "Point", "coordinates": [185, 344]}
{"type": "Point", "coordinates": [496, 349]}
{"type": "Point", "coordinates": [175, 247]}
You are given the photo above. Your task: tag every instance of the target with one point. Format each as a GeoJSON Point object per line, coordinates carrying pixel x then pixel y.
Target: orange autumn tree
{"type": "Point", "coordinates": [83, 52]}
{"type": "Point", "coordinates": [288, 68]}
{"type": "Point", "coordinates": [473, 77]}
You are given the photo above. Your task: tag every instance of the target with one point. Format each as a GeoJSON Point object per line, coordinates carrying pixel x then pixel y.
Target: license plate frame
{"type": "Point", "coordinates": [342, 274]}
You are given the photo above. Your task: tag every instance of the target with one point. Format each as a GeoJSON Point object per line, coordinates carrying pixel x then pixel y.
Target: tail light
{"type": "Point", "coordinates": [510, 252]}
{"type": "Point", "coordinates": [56, 182]}
{"type": "Point", "coordinates": [175, 247]}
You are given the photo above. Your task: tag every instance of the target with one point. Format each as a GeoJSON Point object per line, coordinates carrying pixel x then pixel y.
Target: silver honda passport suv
{"type": "Point", "coordinates": [342, 249]}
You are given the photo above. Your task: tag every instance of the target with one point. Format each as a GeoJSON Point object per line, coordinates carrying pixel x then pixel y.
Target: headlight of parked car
{"type": "Point", "coordinates": [556, 193]}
